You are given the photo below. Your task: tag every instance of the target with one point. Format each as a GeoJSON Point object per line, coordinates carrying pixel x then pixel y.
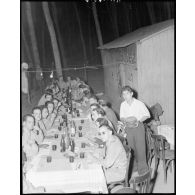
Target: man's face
{"type": "Point", "coordinates": [37, 114]}
{"type": "Point", "coordinates": [55, 103]}
{"type": "Point", "coordinates": [29, 123]}
{"type": "Point", "coordinates": [50, 108]}
{"type": "Point", "coordinates": [48, 97]}
{"type": "Point", "coordinates": [68, 79]}
{"type": "Point", "coordinates": [45, 113]}
{"type": "Point", "coordinates": [95, 115]}
{"type": "Point", "coordinates": [104, 134]}
{"type": "Point", "coordinates": [127, 95]}
{"type": "Point", "coordinates": [61, 79]}
{"type": "Point", "coordinates": [92, 101]}
{"type": "Point", "coordinates": [92, 108]}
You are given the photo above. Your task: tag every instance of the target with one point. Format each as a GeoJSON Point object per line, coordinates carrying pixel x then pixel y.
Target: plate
{"type": "Point", "coordinates": [43, 145]}
{"type": "Point", "coordinates": [49, 137]}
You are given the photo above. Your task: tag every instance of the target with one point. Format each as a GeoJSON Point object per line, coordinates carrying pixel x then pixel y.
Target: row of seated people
{"type": "Point", "coordinates": [132, 115]}
{"type": "Point", "coordinates": [130, 128]}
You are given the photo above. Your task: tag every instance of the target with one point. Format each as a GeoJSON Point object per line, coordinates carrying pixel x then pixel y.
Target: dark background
{"type": "Point", "coordinates": [115, 18]}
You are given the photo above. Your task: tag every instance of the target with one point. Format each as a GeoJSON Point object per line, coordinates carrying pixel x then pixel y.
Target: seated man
{"type": "Point", "coordinates": [47, 96]}
{"type": "Point", "coordinates": [56, 103]}
{"type": "Point", "coordinates": [133, 112]}
{"type": "Point", "coordinates": [115, 160]}
{"type": "Point", "coordinates": [62, 84]}
{"type": "Point", "coordinates": [109, 113]}
{"type": "Point", "coordinates": [38, 132]}
{"type": "Point", "coordinates": [29, 144]}
{"type": "Point", "coordinates": [156, 111]}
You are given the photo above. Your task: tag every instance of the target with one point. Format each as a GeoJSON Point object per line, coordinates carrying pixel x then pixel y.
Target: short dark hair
{"type": "Point", "coordinates": [26, 116]}
{"type": "Point", "coordinates": [102, 121]}
{"type": "Point", "coordinates": [49, 102]}
{"type": "Point", "coordinates": [103, 103]}
{"type": "Point", "coordinates": [93, 97]}
{"type": "Point", "coordinates": [127, 88]}
{"type": "Point", "coordinates": [48, 92]}
{"type": "Point", "coordinates": [108, 127]}
{"type": "Point", "coordinates": [43, 107]}
{"type": "Point", "coordinates": [100, 111]}
{"type": "Point", "coordinates": [36, 108]}
{"type": "Point", "coordinates": [55, 99]}
{"type": "Point", "coordinates": [96, 105]}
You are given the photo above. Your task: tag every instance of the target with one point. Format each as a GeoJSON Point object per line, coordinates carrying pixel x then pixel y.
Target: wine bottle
{"type": "Point", "coordinates": [63, 144]}
{"type": "Point", "coordinates": [72, 145]}
{"type": "Point", "coordinates": [67, 140]}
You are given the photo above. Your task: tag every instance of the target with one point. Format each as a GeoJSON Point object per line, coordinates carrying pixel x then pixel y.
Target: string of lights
{"type": "Point", "coordinates": [84, 67]}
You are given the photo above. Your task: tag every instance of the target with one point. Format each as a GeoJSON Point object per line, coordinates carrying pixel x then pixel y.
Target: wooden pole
{"type": "Point", "coordinates": [33, 39]}
{"type": "Point", "coordinates": [82, 40]}
{"type": "Point", "coordinates": [53, 38]}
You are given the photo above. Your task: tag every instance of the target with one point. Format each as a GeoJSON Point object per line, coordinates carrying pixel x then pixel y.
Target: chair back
{"type": "Point", "coordinates": [143, 182]}
{"type": "Point", "coordinates": [128, 166]}
{"type": "Point", "coordinates": [149, 145]}
{"type": "Point", "coordinates": [159, 146]}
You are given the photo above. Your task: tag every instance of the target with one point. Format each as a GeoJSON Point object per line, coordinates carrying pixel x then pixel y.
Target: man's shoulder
{"type": "Point", "coordinates": [138, 102]}
{"type": "Point", "coordinates": [124, 103]}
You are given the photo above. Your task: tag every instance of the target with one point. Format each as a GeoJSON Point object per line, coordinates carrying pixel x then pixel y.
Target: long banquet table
{"type": "Point", "coordinates": [81, 175]}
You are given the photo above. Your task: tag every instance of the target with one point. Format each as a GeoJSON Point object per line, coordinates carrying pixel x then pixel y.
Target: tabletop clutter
{"type": "Point", "coordinates": [63, 161]}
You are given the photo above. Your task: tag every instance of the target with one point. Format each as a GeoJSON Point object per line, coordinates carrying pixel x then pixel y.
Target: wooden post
{"type": "Point", "coordinates": [82, 41]}
{"type": "Point", "coordinates": [33, 39]}
{"type": "Point", "coordinates": [53, 38]}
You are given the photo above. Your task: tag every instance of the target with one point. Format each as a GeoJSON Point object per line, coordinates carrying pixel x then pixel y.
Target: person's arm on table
{"type": "Point", "coordinates": [110, 158]}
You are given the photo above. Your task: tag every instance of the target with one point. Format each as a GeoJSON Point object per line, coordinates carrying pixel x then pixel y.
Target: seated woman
{"type": "Point", "coordinates": [56, 103]}
{"type": "Point", "coordinates": [103, 121]}
{"type": "Point", "coordinates": [29, 144]}
{"type": "Point", "coordinates": [44, 122]}
{"type": "Point", "coordinates": [115, 160]}
{"type": "Point", "coordinates": [51, 115]}
{"type": "Point", "coordinates": [100, 113]}
{"type": "Point", "coordinates": [38, 132]}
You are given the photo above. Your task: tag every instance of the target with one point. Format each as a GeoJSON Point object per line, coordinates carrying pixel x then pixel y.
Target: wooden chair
{"type": "Point", "coordinates": [123, 182]}
{"type": "Point", "coordinates": [149, 145]}
{"type": "Point", "coordinates": [142, 182]}
{"type": "Point", "coordinates": [124, 190]}
{"type": "Point", "coordinates": [166, 155]}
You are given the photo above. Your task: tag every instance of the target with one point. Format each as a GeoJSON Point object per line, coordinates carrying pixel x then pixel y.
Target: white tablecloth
{"type": "Point", "coordinates": [62, 175]}
{"type": "Point", "coordinates": [168, 132]}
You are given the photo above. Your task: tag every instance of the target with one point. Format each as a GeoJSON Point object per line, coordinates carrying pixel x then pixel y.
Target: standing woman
{"type": "Point", "coordinates": [133, 113]}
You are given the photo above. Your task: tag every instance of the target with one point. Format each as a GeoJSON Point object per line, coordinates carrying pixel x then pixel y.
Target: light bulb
{"type": "Point", "coordinates": [51, 75]}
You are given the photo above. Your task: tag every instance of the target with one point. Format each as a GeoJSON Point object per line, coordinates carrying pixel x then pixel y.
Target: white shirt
{"type": "Point", "coordinates": [136, 109]}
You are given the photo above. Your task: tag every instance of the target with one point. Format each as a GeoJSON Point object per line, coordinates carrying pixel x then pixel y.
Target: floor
{"type": "Point", "coordinates": [159, 185]}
